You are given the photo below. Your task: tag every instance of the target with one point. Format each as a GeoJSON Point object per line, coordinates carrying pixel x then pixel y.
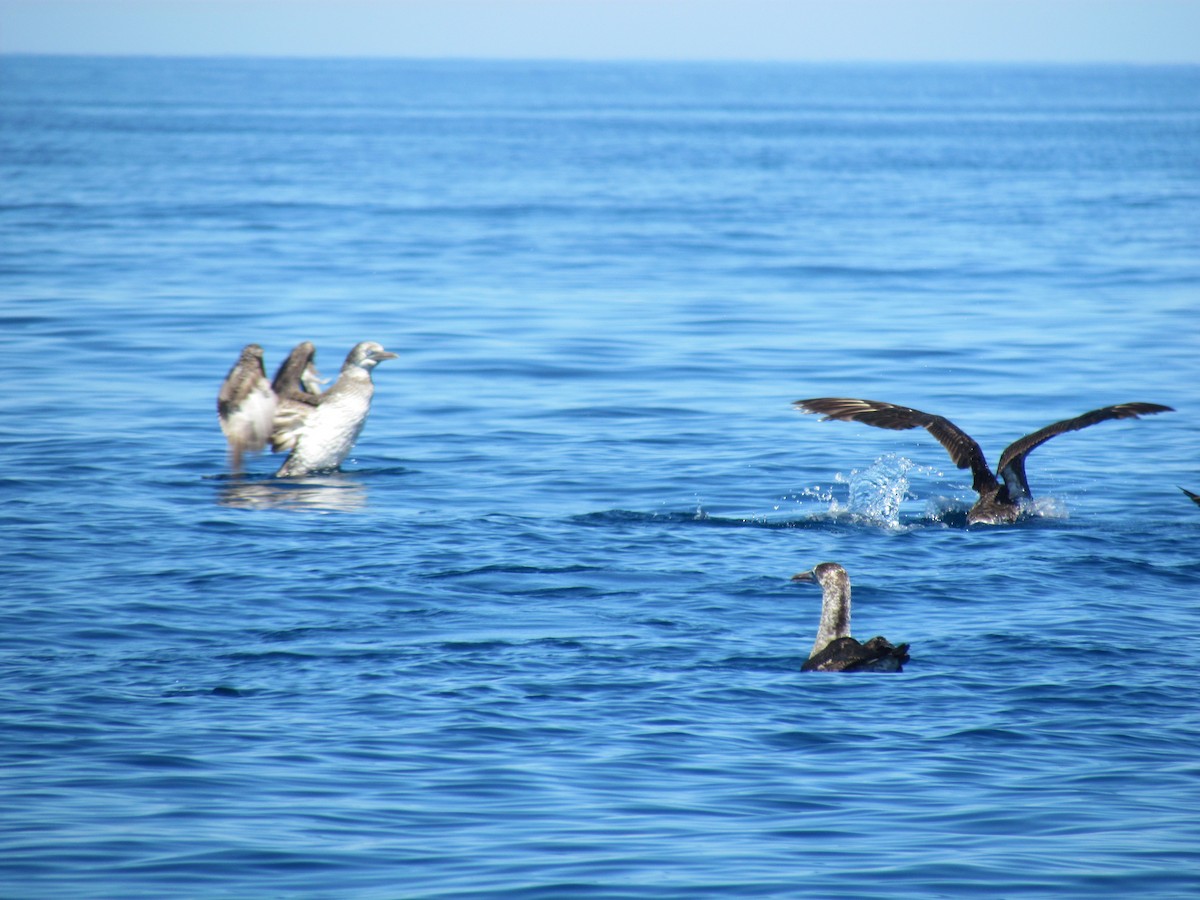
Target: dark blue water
{"type": "Point", "coordinates": [537, 639]}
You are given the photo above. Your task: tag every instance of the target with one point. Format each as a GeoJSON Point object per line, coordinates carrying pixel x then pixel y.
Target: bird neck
{"type": "Point", "coordinates": [835, 615]}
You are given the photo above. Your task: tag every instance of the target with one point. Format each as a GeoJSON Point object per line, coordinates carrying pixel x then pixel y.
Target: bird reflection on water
{"type": "Point", "coordinates": [331, 492]}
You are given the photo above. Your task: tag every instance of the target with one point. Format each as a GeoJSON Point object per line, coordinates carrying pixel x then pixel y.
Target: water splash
{"type": "Point", "coordinates": [948, 511]}
{"type": "Point", "coordinates": [877, 491]}
{"type": "Point", "coordinates": [1044, 508]}
{"type": "Point", "coordinates": [875, 496]}
{"type": "Point", "coordinates": [953, 512]}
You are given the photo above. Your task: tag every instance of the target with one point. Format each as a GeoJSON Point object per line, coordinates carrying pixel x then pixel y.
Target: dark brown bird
{"type": "Point", "coordinates": [835, 650]}
{"type": "Point", "coordinates": [1195, 497]}
{"type": "Point", "coordinates": [1000, 495]}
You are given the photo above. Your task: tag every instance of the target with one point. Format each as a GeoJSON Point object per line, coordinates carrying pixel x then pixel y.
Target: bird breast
{"type": "Point", "coordinates": [329, 432]}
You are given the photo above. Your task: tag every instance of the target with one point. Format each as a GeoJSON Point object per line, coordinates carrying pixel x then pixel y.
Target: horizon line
{"type": "Point", "coordinates": [600, 60]}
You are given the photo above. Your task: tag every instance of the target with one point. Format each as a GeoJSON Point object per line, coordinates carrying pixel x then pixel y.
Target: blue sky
{"type": "Point", "coordinates": [910, 30]}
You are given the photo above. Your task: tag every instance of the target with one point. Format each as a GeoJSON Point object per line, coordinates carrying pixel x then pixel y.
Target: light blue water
{"type": "Point", "coordinates": [538, 638]}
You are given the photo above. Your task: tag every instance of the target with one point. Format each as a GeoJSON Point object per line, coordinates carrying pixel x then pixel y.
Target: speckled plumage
{"type": "Point", "coordinates": [297, 387]}
{"type": "Point", "coordinates": [834, 649]}
{"type": "Point", "coordinates": [246, 405]}
{"type": "Point", "coordinates": [329, 431]}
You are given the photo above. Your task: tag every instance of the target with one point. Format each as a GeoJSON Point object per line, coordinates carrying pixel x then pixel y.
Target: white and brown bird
{"type": "Point", "coordinates": [835, 650]}
{"type": "Point", "coordinates": [297, 388]}
{"type": "Point", "coordinates": [327, 434]}
{"type": "Point", "coordinates": [1000, 494]}
{"type": "Point", "coordinates": [246, 406]}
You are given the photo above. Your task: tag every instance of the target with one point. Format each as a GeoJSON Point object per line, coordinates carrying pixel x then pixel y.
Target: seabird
{"type": "Point", "coordinates": [246, 405]}
{"type": "Point", "coordinates": [297, 387]}
{"type": "Point", "coordinates": [328, 432]}
{"type": "Point", "coordinates": [1195, 497]}
{"type": "Point", "coordinates": [835, 650]}
{"type": "Point", "coordinates": [1000, 495]}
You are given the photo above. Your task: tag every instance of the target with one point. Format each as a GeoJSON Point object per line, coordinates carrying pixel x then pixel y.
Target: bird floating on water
{"type": "Point", "coordinates": [1000, 495]}
{"type": "Point", "coordinates": [835, 650]}
{"type": "Point", "coordinates": [328, 433]}
{"type": "Point", "coordinates": [1195, 497]}
{"type": "Point", "coordinates": [291, 413]}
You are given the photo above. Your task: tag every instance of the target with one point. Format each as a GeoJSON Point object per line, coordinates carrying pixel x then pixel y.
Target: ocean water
{"type": "Point", "coordinates": [537, 639]}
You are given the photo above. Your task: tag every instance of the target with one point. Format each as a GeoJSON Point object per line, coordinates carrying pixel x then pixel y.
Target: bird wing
{"type": "Point", "coordinates": [291, 415]}
{"type": "Point", "coordinates": [1012, 460]}
{"type": "Point", "coordinates": [246, 404]}
{"type": "Point", "coordinates": [963, 449]}
{"type": "Point", "coordinates": [845, 654]}
{"type": "Point", "coordinates": [884, 657]}
{"type": "Point", "coordinates": [297, 377]}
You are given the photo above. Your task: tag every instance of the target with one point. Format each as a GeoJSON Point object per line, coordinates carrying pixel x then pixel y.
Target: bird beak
{"type": "Point", "coordinates": [380, 355]}
{"type": "Point", "coordinates": [804, 576]}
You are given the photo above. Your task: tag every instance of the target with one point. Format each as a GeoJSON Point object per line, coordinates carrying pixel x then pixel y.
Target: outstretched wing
{"type": "Point", "coordinates": [246, 404]}
{"type": "Point", "coordinates": [1012, 460]}
{"type": "Point", "coordinates": [297, 377]}
{"type": "Point", "coordinates": [963, 449]}
{"type": "Point", "coordinates": [297, 385]}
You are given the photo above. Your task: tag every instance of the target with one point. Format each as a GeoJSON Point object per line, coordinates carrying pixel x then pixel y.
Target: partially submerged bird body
{"type": "Point", "coordinates": [246, 405]}
{"type": "Point", "coordinates": [834, 650]}
{"type": "Point", "coordinates": [1000, 494]}
{"type": "Point", "coordinates": [848, 655]}
{"type": "Point", "coordinates": [327, 434]}
{"type": "Point", "coordinates": [1195, 497]}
